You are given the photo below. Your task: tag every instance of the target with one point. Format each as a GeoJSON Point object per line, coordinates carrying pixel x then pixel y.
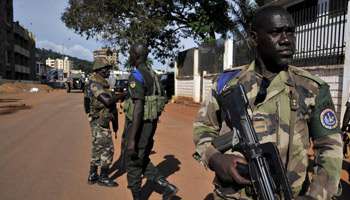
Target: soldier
{"type": "Point", "coordinates": [289, 106]}
{"type": "Point", "coordinates": [100, 104]}
{"type": "Point", "coordinates": [143, 107]}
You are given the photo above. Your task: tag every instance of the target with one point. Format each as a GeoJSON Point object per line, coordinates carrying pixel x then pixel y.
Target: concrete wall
{"type": "Point", "coordinates": [184, 88]}
{"type": "Point", "coordinates": [198, 86]}
{"type": "Point", "coordinates": [207, 85]}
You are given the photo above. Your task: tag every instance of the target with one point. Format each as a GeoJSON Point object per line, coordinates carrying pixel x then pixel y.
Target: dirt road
{"type": "Point", "coordinates": [45, 148]}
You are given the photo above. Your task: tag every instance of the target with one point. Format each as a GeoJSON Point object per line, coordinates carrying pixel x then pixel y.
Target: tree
{"type": "Point", "coordinates": [158, 23]}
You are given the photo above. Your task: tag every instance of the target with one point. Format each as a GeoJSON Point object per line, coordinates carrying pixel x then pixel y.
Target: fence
{"type": "Point", "coordinates": [320, 31]}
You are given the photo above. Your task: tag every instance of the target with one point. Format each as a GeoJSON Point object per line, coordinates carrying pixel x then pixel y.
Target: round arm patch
{"type": "Point", "coordinates": [328, 119]}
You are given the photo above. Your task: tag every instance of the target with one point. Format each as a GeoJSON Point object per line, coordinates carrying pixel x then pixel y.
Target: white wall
{"type": "Point", "coordinates": [184, 88]}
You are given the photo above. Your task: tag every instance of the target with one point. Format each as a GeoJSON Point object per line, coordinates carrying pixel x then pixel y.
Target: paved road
{"type": "Point", "coordinates": [45, 145]}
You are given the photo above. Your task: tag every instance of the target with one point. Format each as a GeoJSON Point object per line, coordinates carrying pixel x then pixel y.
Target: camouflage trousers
{"type": "Point", "coordinates": [102, 145]}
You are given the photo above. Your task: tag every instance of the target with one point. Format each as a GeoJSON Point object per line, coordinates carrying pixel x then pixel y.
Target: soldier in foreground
{"type": "Point", "coordinates": [100, 104]}
{"type": "Point", "coordinates": [289, 106]}
{"type": "Point", "coordinates": [143, 107]}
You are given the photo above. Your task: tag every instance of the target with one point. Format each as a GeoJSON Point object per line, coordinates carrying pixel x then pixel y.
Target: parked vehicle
{"type": "Point", "coordinates": [75, 82]}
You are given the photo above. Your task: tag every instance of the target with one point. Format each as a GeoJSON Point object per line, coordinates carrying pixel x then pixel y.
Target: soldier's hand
{"type": "Point", "coordinates": [226, 167]}
{"type": "Point", "coordinates": [89, 117]}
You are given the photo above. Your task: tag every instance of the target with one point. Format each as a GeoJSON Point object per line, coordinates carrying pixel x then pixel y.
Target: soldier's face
{"type": "Point", "coordinates": [276, 40]}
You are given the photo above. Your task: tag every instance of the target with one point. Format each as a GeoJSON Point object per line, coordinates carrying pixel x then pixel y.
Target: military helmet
{"type": "Point", "coordinates": [100, 63]}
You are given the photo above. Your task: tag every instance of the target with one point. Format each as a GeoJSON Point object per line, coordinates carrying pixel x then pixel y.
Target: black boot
{"type": "Point", "coordinates": [104, 180]}
{"type": "Point", "coordinates": [169, 190]}
{"type": "Point", "coordinates": [136, 194]}
{"type": "Point", "coordinates": [93, 176]}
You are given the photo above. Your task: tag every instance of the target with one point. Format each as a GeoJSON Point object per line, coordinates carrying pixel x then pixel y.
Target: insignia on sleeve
{"type": "Point", "coordinates": [132, 84]}
{"type": "Point", "coordinates": [328, 119]}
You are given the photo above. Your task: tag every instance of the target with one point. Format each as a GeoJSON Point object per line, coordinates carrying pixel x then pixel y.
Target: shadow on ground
{"type": "Point", "coordinates": [11, 108]}
{"type": "Point", "coordinates": [210, 196]}
{"type": "Point", "coordinates": [9, 100]}
{"type": "Point", "coordinates": [167, 167]}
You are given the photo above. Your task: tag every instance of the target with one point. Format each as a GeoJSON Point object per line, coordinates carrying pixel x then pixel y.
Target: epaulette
{"type": "Point", "coordinates": [225, 77]}
{"type": "Point", "coordinates": [308, 75]}
{"type": "Point", "coordinates": [137, 75]}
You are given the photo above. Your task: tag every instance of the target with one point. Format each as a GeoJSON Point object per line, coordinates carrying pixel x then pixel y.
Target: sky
{"type": "Point", "coordinates": [42, 17]}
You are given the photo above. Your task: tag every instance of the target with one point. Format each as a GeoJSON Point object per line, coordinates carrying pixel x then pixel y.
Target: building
{"type": "Point", "coordinates": [17, 47]}
{"type": "Point", "coordinates": [41, 71]}
{"type": "Point", "coordinates": [63, 64]}
{"type": "Point", "coordinates": [24, 53]}
{"type": "Point", "coordinates": [111, 55]}
{"type": "Point", "coordinates": [6, 38]}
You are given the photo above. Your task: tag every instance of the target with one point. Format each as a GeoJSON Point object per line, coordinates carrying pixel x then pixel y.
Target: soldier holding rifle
{"type": "Point", "coordinates": [289, 106]}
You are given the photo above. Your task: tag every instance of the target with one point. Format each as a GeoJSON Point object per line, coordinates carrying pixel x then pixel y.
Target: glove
{"type": "Point", "coordinates": [225, 168]}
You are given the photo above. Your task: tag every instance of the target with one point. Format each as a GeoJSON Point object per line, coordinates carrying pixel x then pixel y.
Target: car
{"type": "Point", "coordinates": [75, 82]}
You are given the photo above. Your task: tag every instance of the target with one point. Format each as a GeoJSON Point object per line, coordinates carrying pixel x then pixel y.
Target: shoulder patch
{"type": "Point", "coordinates": [328, 119]}
{"type": "Point", "coordinates": [137, 75]}
{"type": "Point", "coordinates": [225, 77]}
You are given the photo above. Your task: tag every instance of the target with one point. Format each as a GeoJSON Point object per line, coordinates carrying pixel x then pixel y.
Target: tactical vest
{"type": "Point", "coordinates": [154, 104]}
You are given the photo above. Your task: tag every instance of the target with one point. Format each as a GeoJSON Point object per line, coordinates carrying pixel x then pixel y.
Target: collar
{"type": "Point", "coordinates": [250, 79]}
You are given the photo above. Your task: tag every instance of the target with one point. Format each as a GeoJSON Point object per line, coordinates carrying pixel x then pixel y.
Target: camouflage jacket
{"type": "Point", "coordinates": [96, 86]}
{"type": "Point", "coordinates": [314, 118]}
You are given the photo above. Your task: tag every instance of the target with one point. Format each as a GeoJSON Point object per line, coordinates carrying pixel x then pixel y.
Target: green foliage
{"type": "Point", "coordinates": [158, 23]}
{"type": "Point", "coordinates": [83, 65]}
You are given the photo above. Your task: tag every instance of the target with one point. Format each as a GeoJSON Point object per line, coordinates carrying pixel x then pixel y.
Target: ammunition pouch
{"type": "Point", "coordinates": [153, 107]}
{"type": "Point", "coordinates": [154, 104]}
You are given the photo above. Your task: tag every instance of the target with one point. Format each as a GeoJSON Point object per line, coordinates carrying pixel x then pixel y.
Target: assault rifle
{"type": "Point", "coordinates": [266, 170]}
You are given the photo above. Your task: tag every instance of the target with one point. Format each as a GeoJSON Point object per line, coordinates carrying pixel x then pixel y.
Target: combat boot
{"type": "Point", "coordinates": [169, 190]}
{"type": "Point", "coordinates": [104, 180]}
{"type": "Point", "coordinates": [93, 175]}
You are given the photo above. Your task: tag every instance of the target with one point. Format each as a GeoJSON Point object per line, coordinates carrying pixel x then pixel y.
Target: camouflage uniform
{"type": "Point", "coordinates": [297, 103]}
{"type": "Point", "coordinates": [102, 143]}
